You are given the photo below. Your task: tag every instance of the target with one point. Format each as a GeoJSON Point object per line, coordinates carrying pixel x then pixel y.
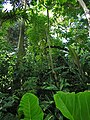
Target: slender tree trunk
{"type": "Point", "coordinates": [21, 48]}
{"type": "Point", "coordinates": [18, 72]}
{"type": "Point", "coordinates": [18, 76]}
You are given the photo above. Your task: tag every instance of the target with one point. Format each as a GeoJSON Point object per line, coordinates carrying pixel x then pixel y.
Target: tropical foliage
{"type": "Point", "coordinates": [73, 106]}
{"type": "Point", "coordinates": [44, 48]}
{"type": "Point", "coordinates": [29, 106]}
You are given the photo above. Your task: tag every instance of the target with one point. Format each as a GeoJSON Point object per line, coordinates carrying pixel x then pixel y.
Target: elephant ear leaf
{"type": "Point", "coordinates": [29, 108]}
{"type": "Point", "coordinates": [73, 106]}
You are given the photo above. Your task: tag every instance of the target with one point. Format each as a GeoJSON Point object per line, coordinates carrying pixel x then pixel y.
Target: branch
{"type": "Point", "coordinates": [58, 47]}
{"type": "Point", "coordinates": [86, 10]}
{"type": "Point", "coordinates": [81, 2]}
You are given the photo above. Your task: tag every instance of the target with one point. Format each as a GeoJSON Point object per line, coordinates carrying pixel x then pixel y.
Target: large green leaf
{"type": "Point", "coordinates": [29, 108]}
{"type": "Point", "coordinates": [73, 106]}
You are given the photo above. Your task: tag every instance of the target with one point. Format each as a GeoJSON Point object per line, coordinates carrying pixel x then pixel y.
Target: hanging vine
{"type": "Point", "coordinates": [49, 44]}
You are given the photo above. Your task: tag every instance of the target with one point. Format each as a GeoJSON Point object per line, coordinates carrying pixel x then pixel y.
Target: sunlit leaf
{"type": "Point", "coordinates": [74, 106]}
{"type": "Point", "coordinates": [29, 107]}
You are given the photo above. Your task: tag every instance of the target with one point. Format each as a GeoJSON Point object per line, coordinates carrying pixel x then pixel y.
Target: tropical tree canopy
{"type": "Point", "coordinates": [44, 48]}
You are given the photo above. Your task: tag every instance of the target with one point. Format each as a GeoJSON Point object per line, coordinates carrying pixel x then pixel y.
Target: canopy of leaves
{"type": "Point", "coordinates": [55, 48]}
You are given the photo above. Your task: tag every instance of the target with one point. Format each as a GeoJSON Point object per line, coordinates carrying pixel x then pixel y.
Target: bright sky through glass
{"type": "Point", "coordinates": [7, 6]}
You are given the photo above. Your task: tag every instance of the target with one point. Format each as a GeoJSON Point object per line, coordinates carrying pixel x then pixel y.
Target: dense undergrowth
{"type": "Point", "coordinates": [49, 64]}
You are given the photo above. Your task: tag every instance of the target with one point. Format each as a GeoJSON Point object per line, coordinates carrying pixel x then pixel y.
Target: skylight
{"type": "Point", "coordinates": [7, 6]}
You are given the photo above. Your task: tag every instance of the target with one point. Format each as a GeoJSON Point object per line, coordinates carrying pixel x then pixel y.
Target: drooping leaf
{"type": "Point", "coordinates": [49, 117]}
{"type": "Point", "coordinates": [29, 107]}
{"type": "Point", "coordinates": [74, 56]}
{"type": "Point", "coordinates": [74, 106]}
